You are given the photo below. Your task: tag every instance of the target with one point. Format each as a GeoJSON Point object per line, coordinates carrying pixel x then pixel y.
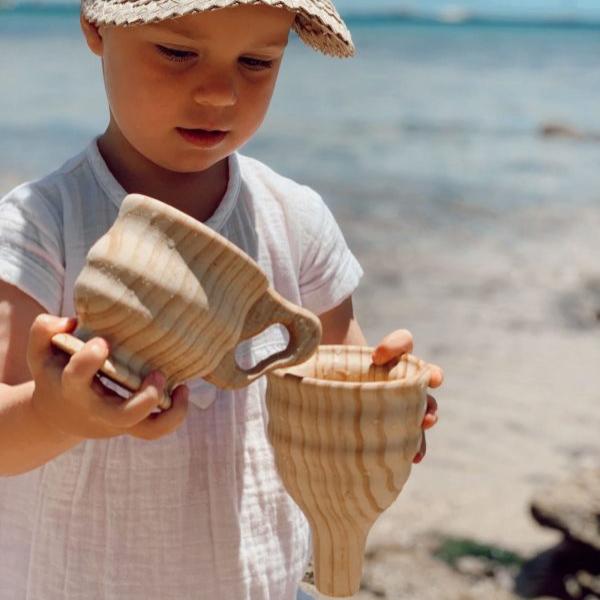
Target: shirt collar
{"type": "Point", "coordinates": [116, 194]}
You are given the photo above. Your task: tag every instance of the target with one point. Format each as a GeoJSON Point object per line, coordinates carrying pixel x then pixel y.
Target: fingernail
{"type": "Point", "coordinates": [101, 342]}
{"type": "Point", "coordinates": [70, 322]}
{"type": "Point", "coordinates": [98, 347]}
{"type": "Point", "coordinates": [45, 319]}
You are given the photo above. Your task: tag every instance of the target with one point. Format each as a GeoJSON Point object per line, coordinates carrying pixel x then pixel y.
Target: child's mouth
{"type": "Point", "coordinates": [202, 137]}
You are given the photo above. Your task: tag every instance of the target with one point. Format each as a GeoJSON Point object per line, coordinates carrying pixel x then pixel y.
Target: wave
{"type": "Point", "coordinates": [455, 17]}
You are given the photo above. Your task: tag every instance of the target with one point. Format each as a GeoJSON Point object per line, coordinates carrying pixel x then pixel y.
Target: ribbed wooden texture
{"type": "Point", "coordinates": [169, 293]}
{"type": "Point", "coordinates": [345, 433]}
{"type": "Point", "coordinates": [172, 296]}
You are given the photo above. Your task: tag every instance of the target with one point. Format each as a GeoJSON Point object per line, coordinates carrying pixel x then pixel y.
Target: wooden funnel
{"type": "Point", "coordinates": [345, 433]}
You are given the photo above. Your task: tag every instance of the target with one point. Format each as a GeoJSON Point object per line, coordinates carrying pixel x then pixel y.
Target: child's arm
{"type": "Point", "coordinates": [341, 327]}
{"type": "Point", "coordinates": [23, 435]}
{"type": "Point", "coordinates": [64, 404]}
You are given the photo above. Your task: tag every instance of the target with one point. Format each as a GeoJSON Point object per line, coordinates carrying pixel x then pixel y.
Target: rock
{"type": "Point", "coordinates": [573, 507]}
{"type": "Point", "coordinates": [569, 570]}
{"type": "Point", "coordinates": [560, 130]}
{"type": "Point", "coordinates": [580, 307]}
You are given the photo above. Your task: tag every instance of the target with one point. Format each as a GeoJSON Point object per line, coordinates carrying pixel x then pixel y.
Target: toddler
{"type": "Point", "coordinates": [100, 497]}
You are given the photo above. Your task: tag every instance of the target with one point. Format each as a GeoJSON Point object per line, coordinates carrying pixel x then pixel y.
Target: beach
{"type": "Point", "coordinates": [508, 303]}
{"type": "Point", "coordinates": [476, 232]}
{"type": "Point", "coordinates": [513, 318]}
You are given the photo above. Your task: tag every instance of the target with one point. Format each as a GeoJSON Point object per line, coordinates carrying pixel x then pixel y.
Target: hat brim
{"type": "Point", "coordinates": [317, 23]}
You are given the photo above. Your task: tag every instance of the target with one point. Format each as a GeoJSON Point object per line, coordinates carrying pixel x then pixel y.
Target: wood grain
{"type": "Point", "coordinates": [169, 293]}
{"type": "Point", "coordinates": [345, 433]}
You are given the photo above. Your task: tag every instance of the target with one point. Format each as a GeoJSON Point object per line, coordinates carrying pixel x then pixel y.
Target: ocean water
{"type": "Point", "coordinates": [431, 115]}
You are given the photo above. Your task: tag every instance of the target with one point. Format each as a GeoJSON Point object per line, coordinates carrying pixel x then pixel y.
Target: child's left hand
{"type": "Point", "coordinates": [395, 345]}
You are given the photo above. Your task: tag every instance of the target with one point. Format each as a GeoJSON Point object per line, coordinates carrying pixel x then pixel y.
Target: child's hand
{"type": "Point", "coordinates": [70, 398]}
{"type": "Point", "coordinates": [395, 345]}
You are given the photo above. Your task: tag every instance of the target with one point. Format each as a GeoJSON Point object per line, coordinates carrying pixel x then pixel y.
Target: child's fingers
{"type": "Point", "coordinates": [431, 416]}
{"type": "Point", "coordinates": [392, 346]}
{"type": "Point", "coordinates": [430, 419]}
{"type": "Point", "coordinates": [40, 335]}
{"type": "Point", "coordinates": [420, 455]}
{"type": "Point", "coordinates": [83, 366]}
{"type": "Point", "coordinates": [128, 413]}
{"type": "Point", "coordinates": [159, 425]}
{"type": "Point", "coordinates": [437, 376]}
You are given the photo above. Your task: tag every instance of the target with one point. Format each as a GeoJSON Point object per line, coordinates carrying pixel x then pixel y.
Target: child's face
{"type": "Point", "coordinates": [185, 93]}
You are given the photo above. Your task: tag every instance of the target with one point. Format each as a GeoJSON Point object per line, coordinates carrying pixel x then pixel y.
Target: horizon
{"type": "Point", "coordinates": [492, 8]}
{"type": "Point", "coordinates": [441, 9]}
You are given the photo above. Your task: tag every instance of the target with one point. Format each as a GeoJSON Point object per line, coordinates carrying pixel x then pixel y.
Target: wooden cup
{"type": "Point", "coordinates": [169, 293]}
{"type": "Point", "coordinates": [345, 433]}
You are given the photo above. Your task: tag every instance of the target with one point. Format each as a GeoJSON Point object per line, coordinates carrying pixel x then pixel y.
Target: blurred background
{"type": "Point", "coordinates": [460, 152]}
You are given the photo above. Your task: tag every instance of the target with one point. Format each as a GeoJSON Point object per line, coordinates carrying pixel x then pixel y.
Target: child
{"type": "Point", "coordinates": [101, 498]}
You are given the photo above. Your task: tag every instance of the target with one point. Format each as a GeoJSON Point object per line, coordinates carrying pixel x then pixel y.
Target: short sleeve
{"type": "Point", "coordinates": [329, 272]}
{"type": "Point", "coordinates": [31, 247]}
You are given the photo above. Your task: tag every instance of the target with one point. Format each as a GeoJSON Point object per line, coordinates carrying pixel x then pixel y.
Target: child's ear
{"type": "Point", "coordinates": [92, 34]}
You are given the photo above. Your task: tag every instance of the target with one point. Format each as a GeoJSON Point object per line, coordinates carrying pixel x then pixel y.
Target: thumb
{"type": "Point", "coordinates": [392, 346]}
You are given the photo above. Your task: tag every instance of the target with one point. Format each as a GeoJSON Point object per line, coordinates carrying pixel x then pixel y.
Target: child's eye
{"type": "Point", "coordinates": [256, 64]}
{"type": "Point", "coordinates": [174, 54]}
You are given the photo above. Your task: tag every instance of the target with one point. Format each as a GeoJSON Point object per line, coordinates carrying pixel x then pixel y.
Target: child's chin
{"type": "Point", "coordinates": [189, 165]}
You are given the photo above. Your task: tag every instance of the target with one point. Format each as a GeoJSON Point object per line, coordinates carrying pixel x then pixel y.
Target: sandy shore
{"type": "Point", "coordinates": [508, 303]}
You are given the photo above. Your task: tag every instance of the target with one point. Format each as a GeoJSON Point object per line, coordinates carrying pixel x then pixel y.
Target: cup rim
{"type": "Point", "coordinates": [135, 200]}
{"type": "Point", "coordinates": [420, 378]}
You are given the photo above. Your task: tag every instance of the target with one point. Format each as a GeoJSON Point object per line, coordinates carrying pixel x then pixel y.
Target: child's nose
{"type": "Point", "coordinates": [216, 89]}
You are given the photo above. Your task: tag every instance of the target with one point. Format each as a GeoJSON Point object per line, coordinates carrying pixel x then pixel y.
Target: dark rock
{"type": "Point", "coordinates": [573, 507]}
{"type": "Point", "coordinates": [560, 130]}
{"type": "Point", "coordinates": [580, 307]}
{"type": "Point", "coordinates": [563, 130]}
{"type": "Point", "coordinates": [567, 571]}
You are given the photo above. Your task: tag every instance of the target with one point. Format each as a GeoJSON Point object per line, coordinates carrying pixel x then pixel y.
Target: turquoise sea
{"type": "Point", "coordinates": [428, 112]}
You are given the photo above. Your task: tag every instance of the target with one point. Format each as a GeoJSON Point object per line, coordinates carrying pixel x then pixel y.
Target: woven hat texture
{"type": "Point", "coordinates": [317, 22]}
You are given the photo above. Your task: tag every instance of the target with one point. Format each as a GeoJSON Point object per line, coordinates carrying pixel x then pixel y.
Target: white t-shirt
{"type": "Point", "coordinates": [201, 513]}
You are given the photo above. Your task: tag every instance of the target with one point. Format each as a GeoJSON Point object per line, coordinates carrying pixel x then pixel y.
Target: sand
{"type": "Point", "coordinates": [507, 301]}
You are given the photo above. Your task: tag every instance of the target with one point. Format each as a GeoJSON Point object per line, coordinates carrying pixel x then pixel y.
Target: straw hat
{"type": "Point", "coordinates": [317, 21]}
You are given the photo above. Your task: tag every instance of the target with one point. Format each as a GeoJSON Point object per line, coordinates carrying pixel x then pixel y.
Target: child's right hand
{"type": "Point", "coordinates": [70, 398]}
